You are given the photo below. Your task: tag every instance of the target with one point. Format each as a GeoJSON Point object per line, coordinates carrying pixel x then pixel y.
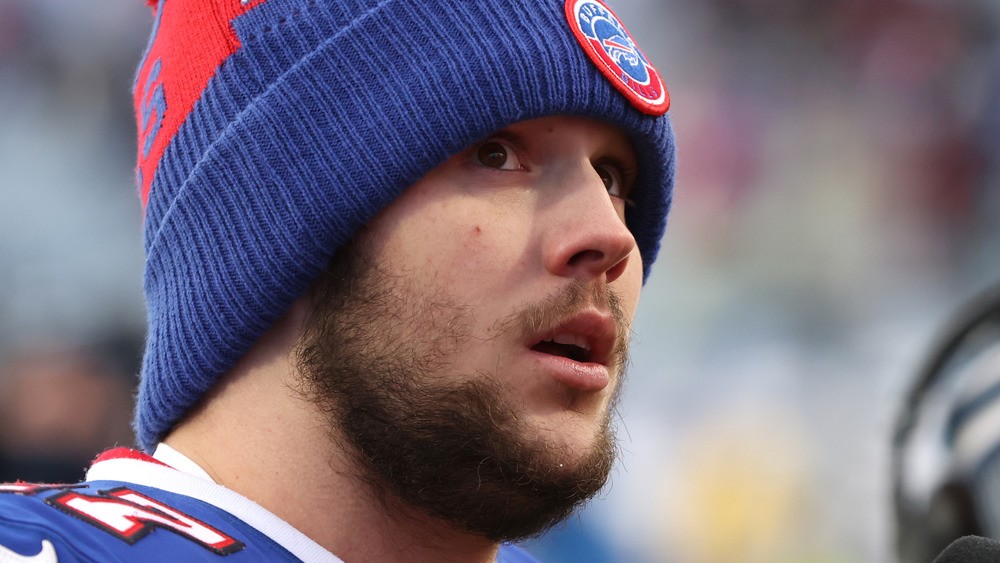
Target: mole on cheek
{"type": "Point", "coordinates": [478, 230]}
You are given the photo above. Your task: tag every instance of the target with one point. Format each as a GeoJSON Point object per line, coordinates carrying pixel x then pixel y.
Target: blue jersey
{"type": "Point", "coordinates": [135, 508]}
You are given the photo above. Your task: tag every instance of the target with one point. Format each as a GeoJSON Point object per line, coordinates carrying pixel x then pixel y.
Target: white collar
{"type": "Point", "coordinates": [189, 479]}
{"type": "Point", "coordinates": [179, 461]}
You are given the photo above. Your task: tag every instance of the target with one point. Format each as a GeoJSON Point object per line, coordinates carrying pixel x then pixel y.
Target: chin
{"type": "Point", "coordinates": [572, 439]}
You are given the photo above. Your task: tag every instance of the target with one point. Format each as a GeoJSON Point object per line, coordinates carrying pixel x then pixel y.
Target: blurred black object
{"type": "Point", "coordinates": [970, 549]}
{"type": "Point", "coordinates": [946, 443]}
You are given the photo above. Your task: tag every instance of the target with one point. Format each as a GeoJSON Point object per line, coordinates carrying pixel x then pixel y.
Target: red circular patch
{"type": "Point", "coordinates": [612, 49]}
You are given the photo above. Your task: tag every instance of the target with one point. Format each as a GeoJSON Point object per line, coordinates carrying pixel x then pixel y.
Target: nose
{"type": "Point", "coordinates": [586, 238]}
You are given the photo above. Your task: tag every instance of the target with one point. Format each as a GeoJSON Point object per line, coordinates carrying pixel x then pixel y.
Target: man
{"type": "Point", "coordinates": [393, 252]}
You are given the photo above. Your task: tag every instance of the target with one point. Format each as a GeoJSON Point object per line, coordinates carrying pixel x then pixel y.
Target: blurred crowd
{"type": "Point", "coordinates": [837, 199]}
{"type": "Point", "coordinates": [59, 406]}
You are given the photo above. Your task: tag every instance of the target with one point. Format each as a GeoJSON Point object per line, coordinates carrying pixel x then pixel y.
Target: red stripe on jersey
{"type": "Point", "coordinates": [127, 453]}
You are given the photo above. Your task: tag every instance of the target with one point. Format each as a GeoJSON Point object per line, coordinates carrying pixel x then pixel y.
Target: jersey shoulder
{"type": "Point", "coordinates": [118, 521]}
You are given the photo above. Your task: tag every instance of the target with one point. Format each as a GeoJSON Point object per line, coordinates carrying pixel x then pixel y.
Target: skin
{"type": "Point", "coordinates": [499, 226]}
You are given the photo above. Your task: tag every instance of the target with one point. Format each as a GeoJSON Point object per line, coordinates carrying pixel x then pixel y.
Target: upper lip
{"type": "Point", "coordinates": [596, 328]}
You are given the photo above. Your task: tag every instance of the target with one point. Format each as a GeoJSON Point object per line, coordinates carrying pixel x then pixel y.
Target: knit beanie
{"type": "Point", "coordinates": [269, 131]}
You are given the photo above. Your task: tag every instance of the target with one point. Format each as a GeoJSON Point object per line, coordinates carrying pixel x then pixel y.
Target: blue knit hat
{"type": "Point", "coordinates": [271, 130]}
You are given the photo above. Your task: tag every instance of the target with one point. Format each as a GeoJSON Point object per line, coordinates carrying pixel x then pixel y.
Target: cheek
{"type": "Point", "coordinates": [458, 247]}
{"type": "Point", "coordinates": [486, 252]}
{"type": "Point", "coordinates": [484, 233]}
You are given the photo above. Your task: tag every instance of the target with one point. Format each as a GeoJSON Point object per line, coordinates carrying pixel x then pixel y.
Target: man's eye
{"type": "Point", "coordinates": [612, 178]}
{"type": "Point", "coordinates": [494, 154]}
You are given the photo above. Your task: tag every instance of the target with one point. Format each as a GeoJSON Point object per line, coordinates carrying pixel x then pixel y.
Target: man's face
{"type": "Point", "coordinates": [469, 344]}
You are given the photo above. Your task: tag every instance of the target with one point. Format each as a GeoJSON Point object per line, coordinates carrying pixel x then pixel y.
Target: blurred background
{"type": "Point", "coordinates": [836, 201]}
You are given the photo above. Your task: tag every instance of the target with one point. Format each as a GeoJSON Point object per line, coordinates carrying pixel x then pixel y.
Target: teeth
{"type": "Point", "coordinates": [572, 340]}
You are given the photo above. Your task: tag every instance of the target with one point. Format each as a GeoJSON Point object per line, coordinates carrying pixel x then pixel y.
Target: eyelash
{"type": "Point", "coordinates": [627, 174]}
{"type": "Point", "coordinates": [512, 145]}
{"type": "Point", "coordinates": [510, 152]}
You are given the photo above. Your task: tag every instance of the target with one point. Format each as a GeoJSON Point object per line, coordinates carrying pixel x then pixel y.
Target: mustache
{"type": "Point", "coordinates": [534, 318]}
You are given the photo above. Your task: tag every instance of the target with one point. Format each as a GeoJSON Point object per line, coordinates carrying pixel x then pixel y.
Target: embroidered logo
{"type": "Point", "coordinates": [46, 555]}
{"type": "Point", "coordinates": [612, 49]}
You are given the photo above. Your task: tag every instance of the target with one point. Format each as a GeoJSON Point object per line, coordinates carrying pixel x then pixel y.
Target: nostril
{"type": "Point", "coordinates": [617, 270]}
{"type": "Point", "coordinates": [598, 262]}
{"type": "Point", "coordinates": [585, 256]}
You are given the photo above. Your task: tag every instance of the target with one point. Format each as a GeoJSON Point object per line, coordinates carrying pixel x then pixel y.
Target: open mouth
{"type": "Point", "coordinates": [575, 348]}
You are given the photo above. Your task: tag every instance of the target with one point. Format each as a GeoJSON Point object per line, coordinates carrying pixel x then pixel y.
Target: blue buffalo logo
{"type": "Point", "coordinates": [602, 27]}
{"type": "Point", "coordinates": [622, 50]}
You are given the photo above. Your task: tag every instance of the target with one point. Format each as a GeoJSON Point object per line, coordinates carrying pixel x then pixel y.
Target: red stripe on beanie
{"type": "Point", "coordinates": [176, 70]}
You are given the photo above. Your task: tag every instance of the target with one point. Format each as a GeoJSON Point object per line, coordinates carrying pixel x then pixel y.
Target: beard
{"type": "Point", "coordinates": [375, 357]}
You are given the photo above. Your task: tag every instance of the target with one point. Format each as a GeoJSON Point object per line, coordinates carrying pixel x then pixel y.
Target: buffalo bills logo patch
{"type": "Point", "coordinates": [612, 49]}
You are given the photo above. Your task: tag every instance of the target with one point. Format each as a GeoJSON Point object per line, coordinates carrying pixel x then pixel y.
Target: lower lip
{"type": "Point", "coordinates": [586, 376]}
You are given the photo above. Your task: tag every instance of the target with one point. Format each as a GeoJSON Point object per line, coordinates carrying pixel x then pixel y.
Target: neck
{"type": "Point", "coordinates": [257, 435]}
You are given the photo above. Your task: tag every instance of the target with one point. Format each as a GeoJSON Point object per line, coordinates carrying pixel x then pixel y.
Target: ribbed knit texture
{"type": "Point", "coordinates": [325, 113]}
